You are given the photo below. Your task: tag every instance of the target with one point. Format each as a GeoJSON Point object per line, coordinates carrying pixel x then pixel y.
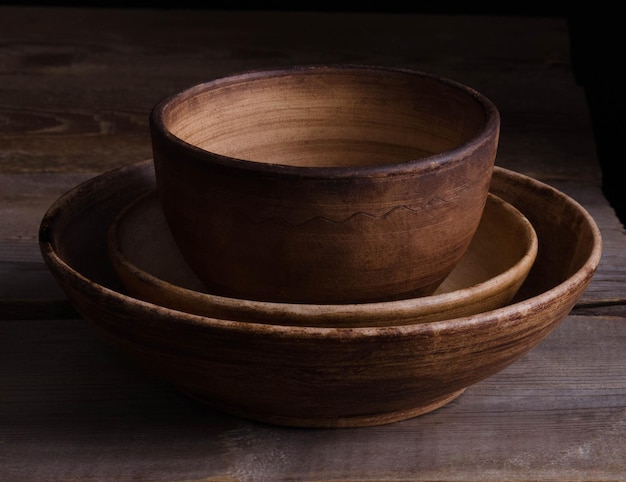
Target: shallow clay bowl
{"type": "Point", "coordinates": [150, 267]}
{"type": "Point", "coordinates": [312, 376]}
{"type": "Point", "coordinates": [324, 184]}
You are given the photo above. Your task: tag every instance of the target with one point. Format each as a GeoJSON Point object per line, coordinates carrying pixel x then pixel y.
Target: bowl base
{"type": "Point", "coordinates": [338, 422]}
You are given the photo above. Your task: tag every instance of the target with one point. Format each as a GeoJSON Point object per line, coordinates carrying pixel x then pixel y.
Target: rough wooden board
{"type": "Point", "coordinates": [73, 409]}
{"type": "Point", "coordinates": [607, 286]}
{"type": "Point", "coordinates": [24, 199]}
{"type": "Point", "coordinates": [98, 72]}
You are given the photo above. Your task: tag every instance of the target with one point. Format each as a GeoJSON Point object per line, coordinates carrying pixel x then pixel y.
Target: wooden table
{"type": "Point", "coordinates": [76, 86]}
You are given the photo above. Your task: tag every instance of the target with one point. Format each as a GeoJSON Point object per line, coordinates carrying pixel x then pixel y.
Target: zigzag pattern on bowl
{"type": "Point", "coordinates": [351, 217]}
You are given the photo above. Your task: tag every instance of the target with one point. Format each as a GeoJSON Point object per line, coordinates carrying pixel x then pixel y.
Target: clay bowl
{"type": "Point", "coordinates": [150, 267]}
{"type": "Point", "coordinates": [313, 376]}
{"type": "Point", "coordinates": [324, 184]}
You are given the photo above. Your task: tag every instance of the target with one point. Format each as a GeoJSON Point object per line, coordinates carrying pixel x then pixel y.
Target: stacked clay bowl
{"type": "Point", "coordinates": [331, 196]}
{"type": "Point", "coordinates": [322, 246]}
{"type": "Point", "coordinates": [150, 267]}
{"type": "Point", "coordinates": [324, 184]}
{"type": "Point", "coordinates": [318, 376]}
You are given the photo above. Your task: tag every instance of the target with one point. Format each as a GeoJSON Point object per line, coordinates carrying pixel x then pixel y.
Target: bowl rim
{"type": "Point", "coordinates": [350, 311]}
{"type": "Point", "coordinates": [102, 293]}
{"type": "Point", "coordinates": [489, 130]}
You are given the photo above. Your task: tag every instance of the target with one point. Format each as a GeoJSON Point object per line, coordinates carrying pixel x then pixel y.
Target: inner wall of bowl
{"type": "Point", "coordinates": [330, 118]}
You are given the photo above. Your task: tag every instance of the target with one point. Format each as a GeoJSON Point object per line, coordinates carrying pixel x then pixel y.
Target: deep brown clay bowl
{"type": "Point", "coordinates": [150, 267]}
{"type": "Point", "coordinates": [324, 184]}
{"type": "Point", "coordinates": [312, 376]}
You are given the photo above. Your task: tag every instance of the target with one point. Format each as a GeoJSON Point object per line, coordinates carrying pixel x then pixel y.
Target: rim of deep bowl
{"type": "Point", "coordinates": [489, 129]}
{"type": "Point", "coordinates": [51, 219]}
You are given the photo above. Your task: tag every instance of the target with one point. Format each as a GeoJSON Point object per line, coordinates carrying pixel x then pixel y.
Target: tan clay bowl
{"type": "Point", "coordinates": [150, 267]}
{"type": "Point", "coordinates": [312, 376]}
{"type": "Point", "coordinates": [324, 184]}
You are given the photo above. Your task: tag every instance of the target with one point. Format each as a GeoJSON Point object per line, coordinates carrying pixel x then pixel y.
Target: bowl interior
{"type": "Point", "coordinates": [150, 267]}
{"type": "Point", "coordinates": [327, 116]}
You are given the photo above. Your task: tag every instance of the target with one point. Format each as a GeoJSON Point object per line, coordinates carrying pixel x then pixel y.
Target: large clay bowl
{"type": "Point", "coordinates": [150, 267]}
{"type": "Point", "coordinates": [312, 376]}
{"type": "Point", "coordinates": [324, 184]}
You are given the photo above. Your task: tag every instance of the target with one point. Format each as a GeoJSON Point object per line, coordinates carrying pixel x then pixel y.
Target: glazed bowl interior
{"type": "Point", "coordinates": [327, 118]}
{"type": "Point", "coordinates": [150, 267]}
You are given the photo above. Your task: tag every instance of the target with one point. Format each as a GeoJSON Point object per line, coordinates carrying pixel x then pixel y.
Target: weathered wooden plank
{"type": "Point", "coordinates": [98, 72]}
{"type": "Point", "coordinates": [24, 199]}
{"type": "Point", "coordinates": [72, 408]}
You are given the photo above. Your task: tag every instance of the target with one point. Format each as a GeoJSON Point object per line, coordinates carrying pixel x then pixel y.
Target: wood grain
{"type": "Point", "coordinates": [77, 87]}
{"type": "Point", "coordinates": [97, 81]}
{"type": "Point", "coordinates": [81, 411]}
